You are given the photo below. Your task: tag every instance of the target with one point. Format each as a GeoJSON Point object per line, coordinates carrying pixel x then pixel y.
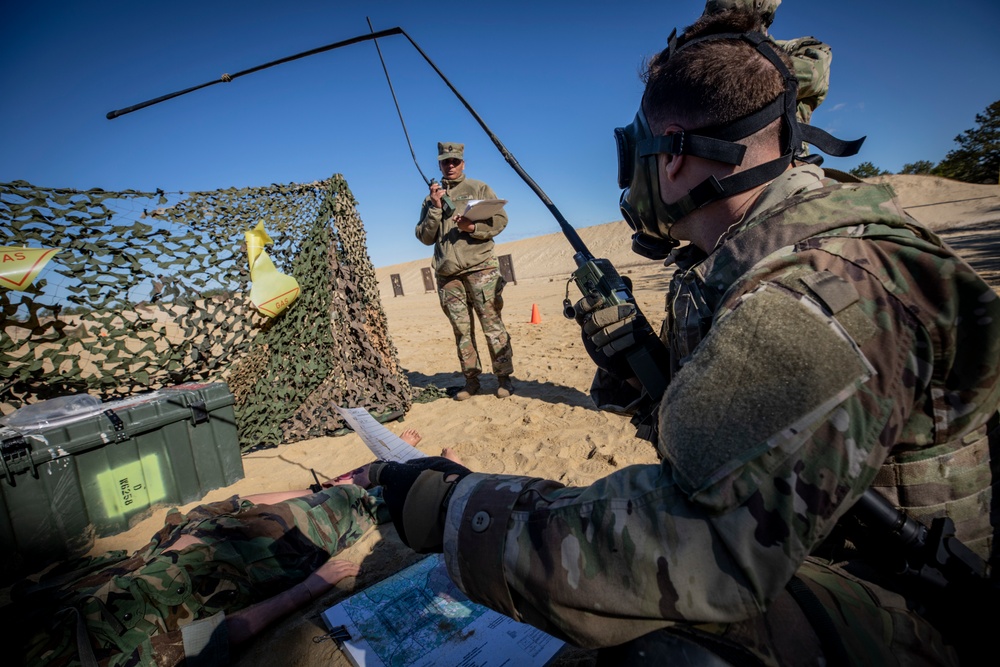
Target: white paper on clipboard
{"type": "Point", "coordinates": [383, 443]}
{"type": "Point", "coordinates": [481, 209]}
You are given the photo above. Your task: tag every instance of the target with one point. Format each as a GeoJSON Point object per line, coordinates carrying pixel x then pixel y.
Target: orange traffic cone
{"type": "Point", "coordinates": [536, 317]}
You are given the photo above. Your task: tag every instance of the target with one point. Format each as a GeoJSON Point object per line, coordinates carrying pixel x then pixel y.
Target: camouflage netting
{"type": "Point", "coordinates": [152, 290]}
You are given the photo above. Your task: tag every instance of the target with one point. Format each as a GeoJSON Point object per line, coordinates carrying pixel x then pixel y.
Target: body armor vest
{"type": "Point", "coordinates": [958, 482]}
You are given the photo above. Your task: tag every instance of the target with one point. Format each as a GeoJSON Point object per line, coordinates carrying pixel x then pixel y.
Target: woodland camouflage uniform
{"type": "Point", "coordinates": [468, 275]}
{"type": "Point", "coordinates": [144, 609]}
{"type": "Point", "coordinates": [827, 344]}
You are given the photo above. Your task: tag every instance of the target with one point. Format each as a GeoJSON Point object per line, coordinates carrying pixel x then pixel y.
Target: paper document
{"type": "Point", "coordinates": [385, 445]}
{"type": "Point", "coordinates": [418, 617]}
{"type": "Point", "coordinates": [481, 209]}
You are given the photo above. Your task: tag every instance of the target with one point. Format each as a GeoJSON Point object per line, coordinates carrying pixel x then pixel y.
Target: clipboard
{"type": "Point", "coordinates": [481, 209]}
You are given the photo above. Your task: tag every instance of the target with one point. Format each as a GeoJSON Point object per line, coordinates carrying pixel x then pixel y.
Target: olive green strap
{"type": "Point", "coordinates": [822, 624]}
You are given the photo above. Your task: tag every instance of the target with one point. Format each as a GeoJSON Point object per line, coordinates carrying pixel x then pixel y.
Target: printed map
{"type": "Point", "coordinates": [419, 618]}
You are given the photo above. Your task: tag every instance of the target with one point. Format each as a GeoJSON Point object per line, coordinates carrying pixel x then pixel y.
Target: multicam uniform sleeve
{"type": "Point", "coordinates": [767, 434]}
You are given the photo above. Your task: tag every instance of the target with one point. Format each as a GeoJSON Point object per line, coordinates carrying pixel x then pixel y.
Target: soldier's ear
{"type": "Point", "coordinates": [672, 165]}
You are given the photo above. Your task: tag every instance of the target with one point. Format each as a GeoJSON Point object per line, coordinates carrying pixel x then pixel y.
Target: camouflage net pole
{"type": "Point", "coordinates": [152, 289]}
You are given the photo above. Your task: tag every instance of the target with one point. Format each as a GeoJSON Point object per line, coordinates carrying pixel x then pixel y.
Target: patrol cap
{"type": "Point", "coordinates": [766, 8]}
{"type": "Point", "coordinates": [448, 149]}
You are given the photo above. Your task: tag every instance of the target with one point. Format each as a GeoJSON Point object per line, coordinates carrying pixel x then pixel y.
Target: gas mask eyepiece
{"type": "Point", "coordinates": [642, 244]}
{"type": "Point", "coordinates": [640, 203]}
{"type": "Point", "coordinates": [625, 144]}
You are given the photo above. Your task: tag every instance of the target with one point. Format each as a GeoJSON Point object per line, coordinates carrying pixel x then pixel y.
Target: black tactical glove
{"type": "Point", "coordinates": [417, 494]}
{"type": "Point", "coordinates": [610, 332]}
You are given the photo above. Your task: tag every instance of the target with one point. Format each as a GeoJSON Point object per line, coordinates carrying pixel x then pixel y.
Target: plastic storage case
{"type": "Point", "coordinates": [75, 469]}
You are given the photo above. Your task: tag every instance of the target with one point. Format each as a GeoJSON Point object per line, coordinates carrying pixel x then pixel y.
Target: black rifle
{"type": "Point", "coordinates": [957, 588]}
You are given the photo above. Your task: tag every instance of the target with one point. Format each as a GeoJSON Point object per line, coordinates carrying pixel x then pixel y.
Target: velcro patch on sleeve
{"type": "Point", "coordinates": [766, 374]}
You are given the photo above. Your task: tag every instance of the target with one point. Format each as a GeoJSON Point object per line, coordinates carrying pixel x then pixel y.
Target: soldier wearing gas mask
{"type": "Point", "coordinates": [612, 330]}
{"type": "Point", "coordinates": [821, 343]}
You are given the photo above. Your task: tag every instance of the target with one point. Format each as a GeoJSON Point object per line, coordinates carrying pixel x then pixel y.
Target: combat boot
{"type": "Point", "coordinates": [506, 387]}
{"type": "Point", "coordinates": [471, 388]}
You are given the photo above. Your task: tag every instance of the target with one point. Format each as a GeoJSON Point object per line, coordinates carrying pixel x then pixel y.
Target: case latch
{"type": "Point", "coordinates": [15, 452]}
{"type": "Point", "coordinates": [121, 435]}
{"type": "Point", "coordinates": [199, 412]}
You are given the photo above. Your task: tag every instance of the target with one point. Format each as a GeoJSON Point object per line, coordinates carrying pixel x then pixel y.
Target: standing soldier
{"type": "Point", "coordinates": [468, 273]}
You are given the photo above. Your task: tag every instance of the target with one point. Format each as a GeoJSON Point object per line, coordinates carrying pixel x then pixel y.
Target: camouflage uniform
{"type": "Point", "coordinates": [811, 58]}
{"type": "Point", "coordinates": [468, 275]}
{"type": "Point", "coordinates": [827, 344]}
{"type": "Point", "coordinates": [149, 608]}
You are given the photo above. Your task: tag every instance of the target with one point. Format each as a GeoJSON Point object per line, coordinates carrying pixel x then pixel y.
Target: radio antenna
{"type": "Point", "coordinates": [574, 239]}
{"type": "Point", "coordinates": [396, 102]}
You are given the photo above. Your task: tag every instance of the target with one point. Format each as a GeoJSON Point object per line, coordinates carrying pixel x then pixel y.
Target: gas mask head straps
{"type": "Point", "coordinates": [638, 173]}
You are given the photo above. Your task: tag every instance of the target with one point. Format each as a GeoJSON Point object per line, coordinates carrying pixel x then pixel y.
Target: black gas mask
{"type": "Point", "coordinates": [638, 173]}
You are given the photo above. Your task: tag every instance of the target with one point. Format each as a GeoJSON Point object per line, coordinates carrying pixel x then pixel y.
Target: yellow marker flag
{"type": "Point", "coordinates": [20, 266]}
{"type": "Point", "coordinates": [272, 291]}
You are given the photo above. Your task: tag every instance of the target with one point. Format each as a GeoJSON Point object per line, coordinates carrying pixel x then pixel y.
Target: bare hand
{"type": "Point", "coordinates": [334, 571]}
{"type": "Point", "coordinates": [437, 194]}
{"type": "Point", "coordinates": [358, 476]}
{"type": "Point", "coordinates": [464, 224]}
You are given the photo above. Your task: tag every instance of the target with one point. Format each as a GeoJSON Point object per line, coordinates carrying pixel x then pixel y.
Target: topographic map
{"type": "Point", "coordinates": [419, 618]}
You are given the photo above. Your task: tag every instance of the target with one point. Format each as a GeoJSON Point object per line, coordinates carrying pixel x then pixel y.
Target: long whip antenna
{"type": "Point", "coordinates": [567, 229]}
{"type": "Point", "coordinates": [226, 78]}
{"type": "Point", "coordinates": [396, 102]}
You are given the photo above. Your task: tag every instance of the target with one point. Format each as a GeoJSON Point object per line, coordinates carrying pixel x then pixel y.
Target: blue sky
{"type": "Point", "coordinates": [551, 80]}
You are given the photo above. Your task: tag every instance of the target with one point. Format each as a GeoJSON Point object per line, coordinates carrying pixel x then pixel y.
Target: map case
{"type": "Point", "coordinates": [418, 618]}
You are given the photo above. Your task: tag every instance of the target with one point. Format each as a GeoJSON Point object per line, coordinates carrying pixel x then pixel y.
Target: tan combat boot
{"type": "Point", "coordinates": [506, 387]}
{"type": "Point", "coordinates": [471, 387]}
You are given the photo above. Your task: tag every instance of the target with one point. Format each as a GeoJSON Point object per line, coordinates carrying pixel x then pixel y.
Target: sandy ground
{"type": "Point", "coordinates": [548, 428]}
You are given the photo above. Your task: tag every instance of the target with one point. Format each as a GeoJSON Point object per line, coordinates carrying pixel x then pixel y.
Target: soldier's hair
{"type": "Point", "coordinates": [713, 82]}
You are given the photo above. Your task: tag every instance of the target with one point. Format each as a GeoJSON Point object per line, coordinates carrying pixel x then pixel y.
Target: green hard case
{"type": "Point", "coordinates": [65, 481]}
